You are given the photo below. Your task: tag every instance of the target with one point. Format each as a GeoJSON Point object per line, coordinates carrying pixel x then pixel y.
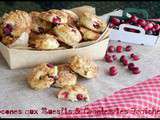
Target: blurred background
{"type": "Point", "coordinates": [102, 7]}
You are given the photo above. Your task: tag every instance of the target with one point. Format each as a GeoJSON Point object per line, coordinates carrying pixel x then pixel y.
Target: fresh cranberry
{"type": "Point", "coordinates": [125, 62]}
{"type": "Point", "coordinates": [50, 65]}
{"type": "Point", "coordinates": [65, 94]}
{"type": "Point", "coordinates": [7, 29]}
{"type": "Point", "coordinates": [135, 70]}
{"type": "Point", "coordinates": [115, 21]}
{"type": "Point", "coordinates": [119, 49]}
{"type": "Point", "coordinates": [157, 27]}
{"type": "Point", "coordinates": [134, 18]}
{"type": "Point", "coordinates": [113, 71]}
{"type": "Point", "coordinates": [150, 25]}
{"type": "Point", "coordinates": [146, 28]}
{"type": "Point", "coordinates": [132, 55]}
{"type": "Point", "coordinates": [114, 57]}
{"type": "Point", "coordinates": [108, 58]}
{"type": "Point", "coordinates": [122, 58]}
{"type": "Point", "coordinates": [80, 97]}
{"type": "Point", "coordinates": [135, 57]}
{"type": "Point", "coordinates": [128, 48]}
{"type": "Point", "coordinates": [111, 48]}
{"type": "Point", "coordinates": [56, 19]}
{"type": "Point", "coordinates": [130, 66]}
{"type": "Point", "coordinates": [96, 25]}
{"type": "Point", "coordinates": [141, 22]}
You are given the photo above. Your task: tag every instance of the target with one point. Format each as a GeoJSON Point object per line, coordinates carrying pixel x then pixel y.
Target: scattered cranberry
{"type": "Point", "coordinates": [130, 66]}
{"type": "Point", "coordinates": [115, 21]}
{"type": "Point", "coordinates": [135, 57]}
{"type": "Point", "coordinates": [80, 97]}
{"type": "Point", "coordinates": [150, 25]}
{"type": "Point", "coordinates": [128, 48]}
{"type": "Point", "coordinates": [108, 58]}
{"type": "Point", "coordinates": [111, 48]}
{"type": "Point", "coordinates": [135, 70]}
{"type": "Point", "coordinates": [113, 71]}
{"type": "Point", "coordinates": [134, 18]}
{"type": "Point", "coordinates": [122, 58]}
{"type": "Point", "coordinates": [96, 25]}
{"type": "Point", "coordinates": [125, 62]}
{"type": "Point", "coordinates": [157, 27]}
{"type": "Point", "coordinates": [119, 49]}
{"type": "Point", "coordinates": [56, 19]}
{"type": "Point", "coordinates": [50, 65]}
{"type": "Point", "coordinates": [132, 55]}
{"type": "Point", "coordinates": [65, 94]}
{"type": "Point", "coordinates": [114, 57]}
{"type": "Point", "coordinates": [146, 28]}
{"type": "Point", "coordinates": [141, 22]}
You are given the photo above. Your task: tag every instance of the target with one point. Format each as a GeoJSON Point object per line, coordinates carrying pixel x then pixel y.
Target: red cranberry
{"type": "Point", "coordinates": [115, 21]}
{"type": "Point", "coordinates": [125, 62]}
{"type": "Point", "coordinates": [135, 57]}
{"type": "Point", "coordinates": [130, 66]}
{"type": "Point", "coordinates": [96, 25]}
{"type": "Point", "coordinates": [157, 27]}
{"type": "Point", "coordinates": [135, 70]}
{"type": "Point", "coordinates": [150, 25]}
{"type": "Point", "coordinates": [111, 48]}
{"type": "Point", "coordinates": [114, 57]}
{"type": "Point", "coordinates": [80, 97]}
{"type": "Point", "coordinates": [56, 19]}
{"type": "Point", "coordinates": [122, 58]}
{"type": "Point", "coordinates": [146, 28]}
{"type": "Point", "coordinates": [113, 71]}
{"type": "Point", "coordinates": [128, 48]}
{"type": "Point", "coordinates": [134, 18]}
{"type": "Point", "coordinates": [50, 65]}
{"type": "Point", "coordinates": [65, 94]}
{"type": "Point", "coordinates": [141, 22]}
{"type": "Point", "coordinates": [119, 49]}
{"type": "Point", "coordinates": [132, 55]}
{"type": "Point", "coordinates": [108, 58]}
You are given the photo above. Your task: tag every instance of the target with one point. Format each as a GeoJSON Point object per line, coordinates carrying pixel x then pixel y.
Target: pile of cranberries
{"type": "Point", "coordinates": [110, 57]}
{"type": "Point", "coordinates": [150, 27]}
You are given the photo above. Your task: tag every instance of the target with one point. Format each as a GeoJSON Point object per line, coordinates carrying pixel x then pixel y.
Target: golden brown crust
{"type": "Point", "coordinates": [83, 66]}
{"type": "Point", "coordinates": [65, 76]}
{"type": "Point", "coordinates": [88, 34]}
{"type": "Point", "coordinates": [41, 77]}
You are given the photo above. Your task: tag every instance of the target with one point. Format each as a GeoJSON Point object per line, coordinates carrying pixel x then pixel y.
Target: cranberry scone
{"type": "Point", "coordinates": [55, 16]}
{"type": "Point", "coordinates": [92, 22]}
{"type": "Point", "coordinates": [42, 76]}
{"type": "Point", "coordinates": [65, 76]}
{"type": "Point", "coordinates": [88, 34]}
{"type": "Point", "coordinates": [13, 25]}
{"type": "Point", "coordinates": [83, 66]}
{"type": "Point", "coordinates": [74, 93]}
{"type": "Point", "coordinates": [39, 25]}
{"type": "Point", "coordinates": [44, 42]}
{"type": "Point", "coordinates": [68, 34]}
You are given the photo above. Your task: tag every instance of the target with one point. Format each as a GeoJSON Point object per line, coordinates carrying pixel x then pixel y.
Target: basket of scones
{"type": "Point", "coordinates": [31, 38]}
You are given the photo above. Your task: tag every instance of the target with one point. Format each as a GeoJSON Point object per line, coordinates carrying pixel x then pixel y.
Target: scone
{"type": "Point", "coordinates": [42, 76]}
{"type": "Point", "coordinates": [72, 17]}
{"type": "Point", "coordinates": [68, 34]}
{"type": "Point", "coordinates": [92, 22]}
{"type": "Point", "coordinates": [74, 93]}
{"type": "Point", "coordinates": [65, 76]}
{"type": "Point", "coordinates": [44, 42]}
{"type": "Point", "coordinates": [83, 66]}
{"type": "Point", "coordinates": [88, 34]}
{"type": "Point", "coordinates": [38, 25]}
{"type": "Point", "coordinates": [55, 16]}
{"type": "Point", "coordinates": [14, 24]}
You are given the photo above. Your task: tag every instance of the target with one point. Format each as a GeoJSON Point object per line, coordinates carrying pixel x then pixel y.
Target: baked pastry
{"type": "Point", "coordinates": [55, 16]}
{"type": "Point", "coordinates": [92, 22]}
{"type": "Point", "coordinates": [14, 24]}
{"type": "Point", "coordinates": [65, 76]}
{"type": "Point", "coordinates": [72, 17]}
{"type": "Point", "coordinates": [83, 66]}
{"type": "Point", "coordinates": [39, 25]}
{"type": "Point", "coordinates": [74, 93]}
{"type": "Point", "coordinates": [68, 34]}
{"type": "Point", "coordinates": [88, 34]}
{"type": "Point", "coordinates": [42, 76]}
{"type": "Point", "coordinates": [44, 42]}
